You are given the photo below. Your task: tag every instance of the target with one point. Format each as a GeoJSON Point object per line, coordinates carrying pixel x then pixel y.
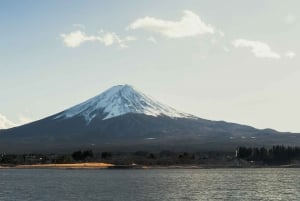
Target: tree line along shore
{"type": "Point", "coordinates": [276, 156]}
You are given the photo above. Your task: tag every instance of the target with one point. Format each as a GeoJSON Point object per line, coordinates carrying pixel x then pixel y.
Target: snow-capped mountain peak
{"type": "Point", "coordinates": [120, 100]}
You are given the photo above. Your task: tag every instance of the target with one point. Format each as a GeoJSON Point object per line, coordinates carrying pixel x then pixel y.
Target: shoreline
{"type": "Point", "coordinates": [92, 165]}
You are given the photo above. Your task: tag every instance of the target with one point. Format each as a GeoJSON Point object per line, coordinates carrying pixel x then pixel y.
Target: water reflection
{"type": "Point", "coordinates": [156, 185]}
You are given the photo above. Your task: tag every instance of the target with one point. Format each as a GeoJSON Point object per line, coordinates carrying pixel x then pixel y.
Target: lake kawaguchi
{"type": "Point", "coordinates": [151, 184]}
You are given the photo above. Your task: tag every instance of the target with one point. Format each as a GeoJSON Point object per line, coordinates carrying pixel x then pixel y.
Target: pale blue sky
{"type": "Point", "coordinates": [226, 75]}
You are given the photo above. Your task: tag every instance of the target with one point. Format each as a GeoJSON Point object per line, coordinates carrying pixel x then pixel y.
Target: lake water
{"type": "Point", "coordinates": [161, 185]}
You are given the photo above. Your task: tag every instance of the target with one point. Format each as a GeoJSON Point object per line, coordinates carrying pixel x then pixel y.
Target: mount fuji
{"type": "Point", "coordinates": [124, 119]}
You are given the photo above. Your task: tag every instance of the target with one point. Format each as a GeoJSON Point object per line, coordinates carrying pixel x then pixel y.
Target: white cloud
{"type": "Point", "coordinates": [24, 119]}
{"type": "Point", "coordinates": [259, 49]}
{"type": "Point", "coordinates": [152, 39]}
{"type": "Point", "coordinates": [290, 19]}
{"type": "Point", "coordinates": [5, 123]}
{"type": "Point", "coordinates": [189, 25]}
{"type": "Point", "coordinates": [76, 38]}
{"type": "Point", "coordinates": [290, 54]}
{"type": "Point", "coordinates": [80, 26]}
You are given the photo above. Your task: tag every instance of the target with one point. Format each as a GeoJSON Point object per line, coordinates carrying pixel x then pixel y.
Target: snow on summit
{"type": "Point", "coordinates": [120, 100]}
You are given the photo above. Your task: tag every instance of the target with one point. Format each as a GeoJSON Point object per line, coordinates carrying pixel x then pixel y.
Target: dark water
{"type": "Point", "coordinates": [161, 185]}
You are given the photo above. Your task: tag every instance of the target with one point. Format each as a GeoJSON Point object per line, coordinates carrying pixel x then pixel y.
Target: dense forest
{"type": "Point", "coordinates": [241, 157]}
{"type": "Point", "coordinates": [276, 155]}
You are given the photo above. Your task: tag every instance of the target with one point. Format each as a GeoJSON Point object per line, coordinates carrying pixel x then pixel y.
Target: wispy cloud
{"type": "Point", "coordinates": [152, 39]}
{"type": "Point", "coordinates": [290, 54]}
{"type": "Point", "coordinates": [213, 41]}
{"type": "Point", "coordinates": [221, 33]}
{"type": "Point", "coordinates": [79, 26]}
{"type": "Point", "coordinates": [5, 123]}
{"type": "Point", "coordinates": [289, 19]}
{"type": "Point", "coordinates": [189, 25]}
{"type": "Point", "coordinates": [226, 49]}
{"type": "Point", "coordinates": [24, 119]}
{"type": "Point", "coordinates": [259, 49]}
{"type": "Point", "coordinates": [77, 38]}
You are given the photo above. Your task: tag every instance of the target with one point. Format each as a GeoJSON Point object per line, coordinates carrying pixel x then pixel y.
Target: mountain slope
{"type": "Point", "coordinates": [124, 119]}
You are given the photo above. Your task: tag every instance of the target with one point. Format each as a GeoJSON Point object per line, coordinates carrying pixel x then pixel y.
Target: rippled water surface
{"type": "Point", "coordinates": [137, 185]}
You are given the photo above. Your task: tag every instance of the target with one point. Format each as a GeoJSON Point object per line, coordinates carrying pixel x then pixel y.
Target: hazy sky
{"type": "Point", "coordinates": [230, 60]}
